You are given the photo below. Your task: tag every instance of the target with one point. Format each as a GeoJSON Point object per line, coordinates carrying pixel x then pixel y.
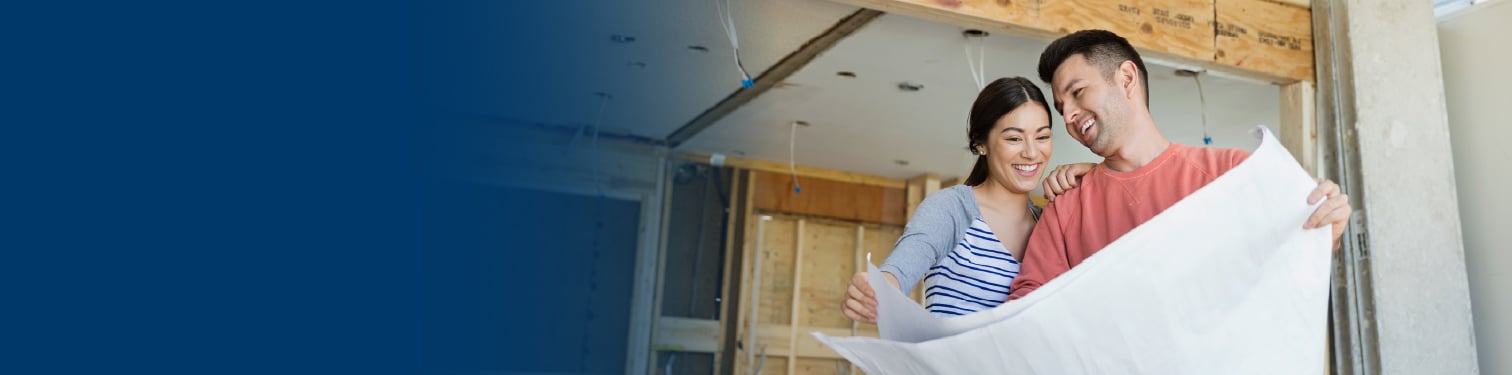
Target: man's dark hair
{"type": "Point", "coordinates": [1101, 48]}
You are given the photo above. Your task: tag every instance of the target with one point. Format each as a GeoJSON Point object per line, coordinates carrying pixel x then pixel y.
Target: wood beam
{"type": "Point", "coordinates": [774, 75]}
{"type": "Point", "coordinates": [828, 198]}
{"type": "Point", "coordinates": [1276, 45]}
{"type": "Point", "coordinates": [1265, 36]}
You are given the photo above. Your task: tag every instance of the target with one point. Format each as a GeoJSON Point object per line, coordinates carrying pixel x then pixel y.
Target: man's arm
{"type": "Point", "coordinates": [1044, 259]}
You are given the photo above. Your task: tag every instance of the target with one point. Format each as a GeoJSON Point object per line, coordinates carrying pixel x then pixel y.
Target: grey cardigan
{"type": "Point", "coordinates": [937, 225]}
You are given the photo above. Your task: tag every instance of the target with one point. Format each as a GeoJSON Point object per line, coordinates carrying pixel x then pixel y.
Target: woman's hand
{"type": "Point", "coordinates": [861, 299]}
{"type": "Point", "coordinates": [1064, 177]}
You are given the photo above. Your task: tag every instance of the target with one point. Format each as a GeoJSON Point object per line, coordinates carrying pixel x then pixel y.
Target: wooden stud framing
{"type": "Point", "coordinates": [792, 361]}
{"type": "Point", "coordinates": [919, 188]}
{"type": "Point", "coordinates": [728, 319]}
{"type": "Point", "coordinates": [767, 319]}
{"type": "Point", "coordinates": [859, 254]}
{"type": "Point", "coordinates": [640, 340]}
{"type": "Point", "coordinates": [755, 293]}
{"type": "Point", "coordinates": [818, 290]}
{"type": "Point", "coordinates": [1299, 128]}
{"type": "Point", "coordinates": [746, 317]}
{"type": "Point", "coordinates": [953, 181]}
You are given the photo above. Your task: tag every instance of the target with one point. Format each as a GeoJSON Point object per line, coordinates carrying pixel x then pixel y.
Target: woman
{"type": "Point", "coordinates": [965, 241]}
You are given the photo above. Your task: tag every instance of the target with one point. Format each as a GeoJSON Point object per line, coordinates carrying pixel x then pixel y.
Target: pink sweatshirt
{"type": "Point", "coordinates": [1107, 204]}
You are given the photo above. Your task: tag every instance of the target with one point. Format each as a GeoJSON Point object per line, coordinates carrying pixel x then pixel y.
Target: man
{"type": "Point", "coordinates": [1101, 90]}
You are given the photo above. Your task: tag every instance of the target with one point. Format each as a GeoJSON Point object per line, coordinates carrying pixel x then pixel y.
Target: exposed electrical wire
{"type": "Point", "coordinates": [1202, 100]}
{"type": "Point", "coordinates": [978, 68]}
{"type": "Point", "coordinates": [793, 162]}
{"type": "Point", "coordinates": [727, 21]}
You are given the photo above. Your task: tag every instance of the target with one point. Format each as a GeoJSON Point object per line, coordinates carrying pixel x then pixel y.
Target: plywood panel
{"type": "Point", "coordinates": [774, 365]}
{"type": "Point", "coordinates": [880, 240]}
{"type": "Point", "coordinates": [828, 262]}
{"type": "Point", "coordinates": [1181, 27]}
{"type": "Point", "coordinates": [815, 366]}
{"type": "Point", "coordinates": [775, 339]}
{"type": "Point", "coordinates": [1259, 34]}
{"type": "Point", "coordinates": [777, 271]}
{"type": "Point", "coordinates": [829, 198]}
{"type": "Point", "coordinates": [1019, 16]}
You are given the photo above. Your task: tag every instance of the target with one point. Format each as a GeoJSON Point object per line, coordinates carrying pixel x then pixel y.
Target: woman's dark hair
{"type": "Point", "coordinates": [997, 99]}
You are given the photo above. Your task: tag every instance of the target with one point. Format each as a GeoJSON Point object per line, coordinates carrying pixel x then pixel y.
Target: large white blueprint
{"type": "Point", "coordinates": [1223, 282]}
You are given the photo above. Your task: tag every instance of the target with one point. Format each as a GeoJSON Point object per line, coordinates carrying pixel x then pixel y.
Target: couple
{"type": "Point", "coordinates": [980, 244]}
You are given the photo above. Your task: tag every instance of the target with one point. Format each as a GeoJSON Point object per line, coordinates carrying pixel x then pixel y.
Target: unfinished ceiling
{"type": "Point", "coordinates": [663, 62]}
{"type": "Point", "coordinates": [867, 124]}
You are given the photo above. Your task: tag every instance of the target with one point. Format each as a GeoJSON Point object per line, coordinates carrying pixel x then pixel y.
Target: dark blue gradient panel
{"type": "Point", "coordinates": [277, 187]}
{"type": "Point", "coordinates": [551, 294]}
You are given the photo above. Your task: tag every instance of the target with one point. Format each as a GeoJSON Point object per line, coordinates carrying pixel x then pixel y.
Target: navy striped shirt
{"type": "Point", "coordinates": [954, 253]}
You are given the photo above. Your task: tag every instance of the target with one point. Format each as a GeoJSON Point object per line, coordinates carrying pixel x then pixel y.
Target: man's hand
{"type": "Point", "coordinates": [1334, 211]}
{"type": "Point", "coordinates": [861, 299]}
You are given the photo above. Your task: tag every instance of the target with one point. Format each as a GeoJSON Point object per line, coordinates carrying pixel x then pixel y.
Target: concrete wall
{"type": "Point", "coordinates": [1410, 209]}
{"type": "Point", "coordinates": [1473, 47]}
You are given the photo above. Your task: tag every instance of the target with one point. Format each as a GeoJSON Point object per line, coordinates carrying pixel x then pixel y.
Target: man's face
{"type": "Point", "coordinates": [1092, 105]}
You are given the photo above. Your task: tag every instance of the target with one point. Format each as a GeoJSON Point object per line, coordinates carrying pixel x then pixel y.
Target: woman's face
{"type": "Point", "coordinates": [1018, 147]}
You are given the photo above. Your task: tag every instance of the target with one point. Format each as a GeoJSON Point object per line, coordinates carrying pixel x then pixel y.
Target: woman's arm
{"type": "Point", "coordinates": [925, 240]}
